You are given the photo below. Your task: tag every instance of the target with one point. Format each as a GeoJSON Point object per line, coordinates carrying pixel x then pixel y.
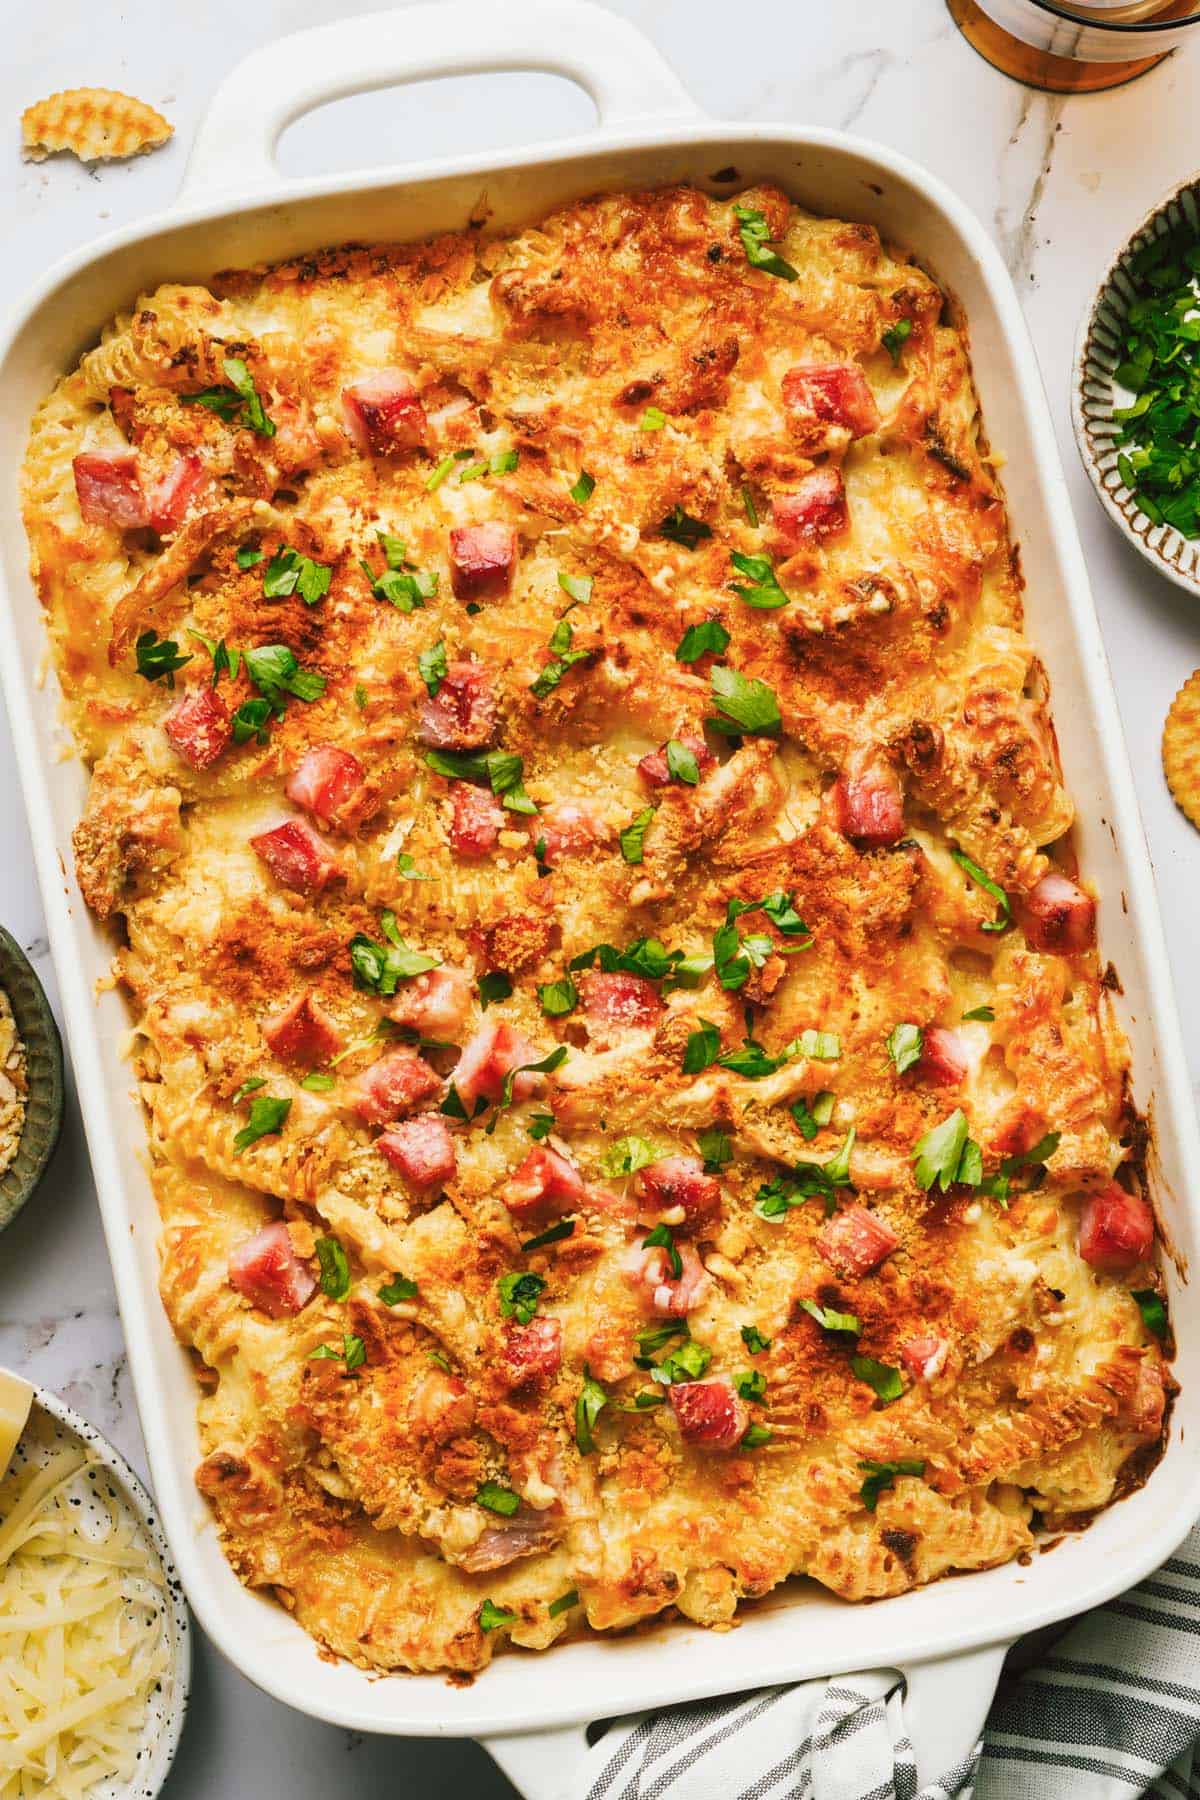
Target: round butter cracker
{"type": "Point", "coordinates": [1181, 748]}
{"type": "Point", "coordinates": [94, 124]}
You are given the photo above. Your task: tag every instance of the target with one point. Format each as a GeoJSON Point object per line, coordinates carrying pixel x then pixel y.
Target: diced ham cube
{"type": "Point", "coordinates": [924, 1357]}
{"type": "Point", "coordinates": [266, 1271]}
{"type": "Point", "coordinates": [110, 489]}
{"type": "Point", "coordinates": [831, 393]}
{"type": "Point", "coordinates": [856, 1241]}
{"type": "Point", "coordinates": [678, 1185]}
{"type": "Point", "coordinates": [297, 857]}
{"type": "Point", "coordinates": [476, 821]}
{"type": "Point", "coordinates": [653, 767]}
{"type": "Point", "coordinates": [568, 827]}
{"type": "Point", "coordinates": [1060, 917]}
{"type": "Point", "coordinates": [437, 1004]}
{"type": "Point", "coordinates": [303, 1032]}
{"type": "Point", "coordinates": [442, 1406]}
{"type": "Point", "coordinates": [708, 1413]}
{"type": "Point", "coordinates": [490, 1056]}
{"type": "Point", "coordinates": [944, 1060]}
{"type": "Point", "coordinates": [614, 1001]}
{"type": "Point", "coordinates": [671, 1296]}
{"type": "Point", "coordinates": [392, 1085]}
{"type": "Point", "coordinates": [462, 715]}
{"type": "Point", "coordinates": [199, 728]}
{"type": "Point", "coordinates": [531, 1354]}
{"type": "Point", "coordinates": [170, 498]}
{"type": "Point", "coordinates": [815, 509]}
{"type": "Point", "coordinates": [422, 1149]}
{"type": "Point", "coordinates": [482, 560]}
{"type": "Point", "coordinates": [1116, 1230]}
{"type": "Point", "coordinates": [545, 1182]}
{"type": "Point", "coordinates": [325, 781]}
{"type": "Point", "coordinates": [868, 803]}
{"type": "Point", "coordinates": [383, 413]}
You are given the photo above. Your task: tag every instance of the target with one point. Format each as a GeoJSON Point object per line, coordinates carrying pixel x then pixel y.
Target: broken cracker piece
{"type": "Point", "coordinates": [1181, 748]}
{"type": "Point", "coordinates": [94, 124]}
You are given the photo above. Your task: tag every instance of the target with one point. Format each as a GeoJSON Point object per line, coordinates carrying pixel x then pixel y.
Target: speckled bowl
{"type": "Point", "coordinates": [1095, 395]}
{"type": "Point", "coordinates": [168, 1704]}
{"type": "Point", "coordinates": [44, 1068]}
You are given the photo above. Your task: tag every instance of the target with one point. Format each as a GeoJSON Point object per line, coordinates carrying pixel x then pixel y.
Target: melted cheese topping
{"type": "Point", "coordinates": [82, 1637]}
{"type": "Point", "coordinates": [352, 1491]}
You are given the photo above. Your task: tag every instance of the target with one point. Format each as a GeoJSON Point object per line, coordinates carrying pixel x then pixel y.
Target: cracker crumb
{"type": "Point", "coordinates": [13, 1085]}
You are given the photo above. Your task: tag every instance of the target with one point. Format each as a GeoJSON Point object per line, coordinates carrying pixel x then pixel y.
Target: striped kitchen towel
{"type": "Point", "coordinates": [1110, 1711]}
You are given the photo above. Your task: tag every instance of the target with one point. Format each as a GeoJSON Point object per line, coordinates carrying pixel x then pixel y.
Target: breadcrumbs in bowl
{"type": "Point", "coordinates": [31, 1079]}
{"type": "Point", "coordinates": [13, 1085]}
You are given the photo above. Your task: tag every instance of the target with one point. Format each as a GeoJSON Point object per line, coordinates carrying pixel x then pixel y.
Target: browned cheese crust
{"type": "Point", "coordinates": [351, 1491]}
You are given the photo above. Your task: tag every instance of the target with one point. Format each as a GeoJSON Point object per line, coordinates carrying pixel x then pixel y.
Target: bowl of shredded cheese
{"type": "Point", "coordinates": [31, 1080]}
{"type": "Point", "coordinates": [95, 1653]}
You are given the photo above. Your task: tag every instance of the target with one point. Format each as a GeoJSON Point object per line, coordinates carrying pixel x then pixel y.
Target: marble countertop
{"type": "Point", "coordinates": [1058, 182]}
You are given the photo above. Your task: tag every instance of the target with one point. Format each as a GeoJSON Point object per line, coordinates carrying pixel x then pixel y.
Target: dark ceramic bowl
{"type": "Point", "coordinates": [44, 1070]}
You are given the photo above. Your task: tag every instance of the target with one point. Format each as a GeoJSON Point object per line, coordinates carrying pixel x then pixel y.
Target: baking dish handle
{"type": "Point", "coordinates": [945, 1704]}
{"type": "Point", "coordinates": [603, 54]}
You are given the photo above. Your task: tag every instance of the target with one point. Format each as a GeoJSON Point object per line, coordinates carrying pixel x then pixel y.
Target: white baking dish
{"type": "Point", "coordinates": [235, 208]}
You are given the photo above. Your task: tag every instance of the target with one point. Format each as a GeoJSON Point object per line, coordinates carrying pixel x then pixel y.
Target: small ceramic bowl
{"type": "Point", "coordinates": [168, 1703]}
{"type": "Point", "coordinates": [1096, 395]}
{"type": "Point", "coordinates": [44, 1072]}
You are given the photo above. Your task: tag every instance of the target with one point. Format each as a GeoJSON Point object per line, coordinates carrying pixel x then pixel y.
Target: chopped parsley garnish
{"type": "Point", "coordinates": [576, 587]}
{"type": "Point", "coordinates": [653, 1338]}
{"type": "Point", "coordinates": [353, 1353]}
{"type": "Point", "coordinates": [716, 1149]}
{"type": "Point", "coordinates": [754, 1340]}
{"type": "Point", "coordinates": [703, 1048]}
{"type": "Point", "coordinates": [250, 721]}
{"type": "Point", "coordinates": [497, 1499]}
{"type": "Point", "coordinates": [224, 660]}
{"type": "Point", "coordinates": [503, 462]}
{"type": "Point", "coordinates": [626, 1157]}
{"type": "Point", "coordinates": [810, 1115]}
{"type": "Point", "coordinates": [708, 638]}
{"type": "Point", "coordinates": [829, 1320]}
{"type": "Point", "coordinates": [755, 234]}
{"type": "Point", "coordinates": [881, 1475]}
{"type": "Point", "coordinates": [652, 419]}
{"type": "Point", "coordinates": [276, 674]}
{"type": "Point", "coordinates": [647, 957]}
{"type": "Point", "coordinates": [748, 706]}
{"type": "Point", "coordinates": [266, 1119]}
{"type": "Point", "coordinates": [158, 658]}
{"type": "Point", "coordinates": [289, 572]}
{"type": "Point", "coordinates": [538, 1127]}
{"type": "Point", "coordinates": [562, 658]}
{"type": "Point", "coordinates": [249, 1087]}
{"type": "Point", "coordinates": [905, 1044]}
{"type": "Point", "coordinates": [397, 1289]}
{"type": "Point", "coordinates": [633, 838]}
{"type": "Point", "coordinates": [1003, 918]}
{"type": "Point", "coordinates": [588, 1407]}
{"type": "Point", "coordinates": [494, 985]}
{"type": "Point", "coordinates": [472, 472]}
{"type": "Point", "coordinates": [807, 1181]}
{"type": "Point", "coordinates": [1154, 1313]}
{"type": "Point", "coordinates": [546, 1066]}
{"type": "Point", "coordinates": [494, 1618]}
{"type": "Point", "coordinates": [688, 1363]}
{"type": "Point", "coordinates": [886, 1382]}
{"type": "Point", "coordinates": [407, 868]}
{"type": "Point", "coordinates": [661, 1238]}
{"type": "Point", "coordinates": [751, 1062]}
{"type": "Point", "coordinates": [360, 696]}
{"type": "Point", "coordinates": [431, 667]}
{"type": "Point", "coordinates": [248, 555]}
{"type": "Point", "coordinates": [895, 338]}
{"type": "Point", "coordinates": [946, 1154]}
{"type": "Point", "coordinates": [379, 968]}
{"type": "Point", "coordinates": [439, 474]}
{"type": "Point", "coordinates": [1034, 1161]}
{"type": "Point", "coordinates": [755, 1436]}
{"type": "Point", "coordinates": [553, 1234]}
{"type": "Point", "coordinates": [402, 583]}
{"type": "Point", "coordinates": [584, 488]}
{"type": "Point", "coordinates": [748, 504]}
{"type": "Point", "coordinates": [318, 1082]}
{"type": "Point", "coordinates": [1159, 458]}
{"type": "Point", "coordinates": [764, 591]}
{"type": "Point", "coordinates": [680, 528]}
{"type": "Point", "coordinates": [558, 998]}
{"type": "Point", "coordinates": [499, 769]}
{"type": "Point", "coordinates": [335, 1268]}
{"type": "Point", "coordinates": [519, 1295]}
{"type": "Point", "coordinates": [815, 1046]}
{"type": "Point", "coordinates": [984, 1013]}
{"type": "Point", "coordinates": [681, 763]}
{"type": "Point", "coordinates": [563, 1604]}
{"type": "Point", "coordinates": [240, 399]}
{"type": "Point", "coordinates": [751, 1384]}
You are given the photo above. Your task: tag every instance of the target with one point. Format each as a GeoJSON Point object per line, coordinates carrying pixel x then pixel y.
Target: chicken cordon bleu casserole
{"type": "Point", "coordinates": [632, 1095]}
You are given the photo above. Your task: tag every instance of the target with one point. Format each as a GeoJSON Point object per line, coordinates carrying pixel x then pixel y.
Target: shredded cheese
{"type": "Point", "coordinates": [83, 1637]}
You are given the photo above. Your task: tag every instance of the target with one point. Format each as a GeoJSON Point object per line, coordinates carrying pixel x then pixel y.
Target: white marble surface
{"type": "Point", "coordinates": [1058, 182]}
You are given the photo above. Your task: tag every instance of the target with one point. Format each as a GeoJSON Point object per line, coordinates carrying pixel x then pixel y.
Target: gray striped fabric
{"type": "Point", "coordinates": [1110, 1711]}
